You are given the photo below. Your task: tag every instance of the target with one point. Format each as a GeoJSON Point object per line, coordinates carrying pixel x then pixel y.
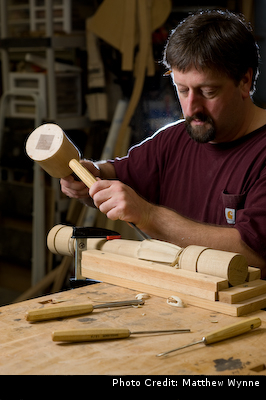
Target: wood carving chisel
{"type": "Point", "coordinates": [224, 333]}
{"type": "Point", "coordinates": [89, 335]}
{"type": "Point", "coordinates": [63, 311]}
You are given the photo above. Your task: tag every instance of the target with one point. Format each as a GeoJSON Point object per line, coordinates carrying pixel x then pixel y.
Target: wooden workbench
{"type": "Point", "coordinates": [27, 349]}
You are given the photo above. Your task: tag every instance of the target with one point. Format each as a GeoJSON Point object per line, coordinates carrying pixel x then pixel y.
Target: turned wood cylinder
{"type": "Point", "coordinates": [189, 257]}
{"type": "Point", "coordinates": [230, 266]}
{"type": "Point", "coordinates": [49, 146]}
{"type": "Point", "coordinates": [60, 241]}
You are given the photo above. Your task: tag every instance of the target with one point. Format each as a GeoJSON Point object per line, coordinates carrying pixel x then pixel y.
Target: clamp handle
{"type": "Point", "coordinates": [94, 232]}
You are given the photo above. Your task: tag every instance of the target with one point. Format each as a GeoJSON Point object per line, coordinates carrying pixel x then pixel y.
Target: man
{"type": "Point", "coordinates": [201, 180]}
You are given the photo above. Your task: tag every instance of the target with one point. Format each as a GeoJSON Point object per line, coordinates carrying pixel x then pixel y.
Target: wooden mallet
{"type": "Point", "coordinates": [49, 146]}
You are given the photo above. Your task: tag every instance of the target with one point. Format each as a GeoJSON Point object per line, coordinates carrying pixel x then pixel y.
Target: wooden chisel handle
{"type": "Point", "coordinates": [82, 173]}
{"type": "Point", "coordinates": [232, 330]}
{"type": "Point", "coordinates": [88, 335]}
{"type": "Point", "coordinates": [53, 312]}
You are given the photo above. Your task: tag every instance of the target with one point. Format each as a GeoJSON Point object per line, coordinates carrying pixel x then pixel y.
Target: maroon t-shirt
{"type": "Point", "coordinates": [222, 184]}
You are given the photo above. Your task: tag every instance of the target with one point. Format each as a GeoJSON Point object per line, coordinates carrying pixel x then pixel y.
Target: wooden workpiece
{"type": "Point", "coordinates": [200, 276]}
{"type": "Point", "coordinates": [227, 266]}
{"type": "Point", "coordinates": [27, 348]}
{"type": "Point", "coordinates": [161, 280]}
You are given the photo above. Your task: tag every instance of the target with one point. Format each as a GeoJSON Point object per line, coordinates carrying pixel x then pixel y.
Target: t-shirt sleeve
{"type": "Point", "coordinates": [140, 170]}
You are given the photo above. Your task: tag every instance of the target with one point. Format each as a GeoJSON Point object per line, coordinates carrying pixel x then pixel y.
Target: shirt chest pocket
{"type": "Point", "coordinates": [232, 203]}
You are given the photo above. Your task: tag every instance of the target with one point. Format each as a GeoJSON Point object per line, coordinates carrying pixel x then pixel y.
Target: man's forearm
{"type": "Point", "coordinates": [167, 225]}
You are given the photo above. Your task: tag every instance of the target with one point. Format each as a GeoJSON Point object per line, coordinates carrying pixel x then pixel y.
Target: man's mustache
{"type": "Point", "coordinates": [200, 117]}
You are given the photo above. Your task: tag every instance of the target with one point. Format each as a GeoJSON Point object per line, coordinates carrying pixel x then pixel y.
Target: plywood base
{"type": "Point", "coordinates": [164, 281]}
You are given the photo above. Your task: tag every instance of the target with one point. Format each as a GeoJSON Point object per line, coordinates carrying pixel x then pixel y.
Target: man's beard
{"type": "Point", "coordinates": [201, 134]}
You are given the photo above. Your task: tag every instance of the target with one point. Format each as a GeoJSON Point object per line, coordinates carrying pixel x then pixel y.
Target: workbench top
{"type": "Point", "coordinates": [27, 348]}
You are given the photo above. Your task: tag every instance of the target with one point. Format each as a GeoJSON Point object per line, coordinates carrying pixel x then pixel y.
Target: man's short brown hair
{"type": "Point", "coordinates": [213, 39]}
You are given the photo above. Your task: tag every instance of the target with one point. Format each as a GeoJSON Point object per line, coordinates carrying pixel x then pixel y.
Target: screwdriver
{"type": "Point", "coordinates": [88, 335]}
{"type": "Point", "coordinates": [221, 334]}
{"type": "Point", "coordinates": [62, 311]}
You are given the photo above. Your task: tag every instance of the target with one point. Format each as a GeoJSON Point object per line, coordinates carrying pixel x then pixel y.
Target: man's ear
{"type": "Point", "coordinates": [246, 83]}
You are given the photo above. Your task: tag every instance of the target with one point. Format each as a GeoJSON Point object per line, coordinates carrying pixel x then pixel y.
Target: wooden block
{"type": "Point", "coordinates": [198, 280]}
{"type": "Point", "coordinates": [251, 305]}
{"type": "Point", "coordinates": [253, 274]}
{"type": "Point", "coordinates": [139, 275]}
{"type": "Point", "coordinates": [203, 281]}
{"type": "Point", "coordinates": [235, 310]}
{"type": "Point", "coordinates": [242, 292]}
{"type": "Point", "coordinates": [158, 291]}
{"type": "Point", "coordinates": [152, 273]}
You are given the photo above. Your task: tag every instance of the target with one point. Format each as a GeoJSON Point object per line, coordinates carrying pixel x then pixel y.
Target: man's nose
{"type": "Point", "coordinates": [194, 103]}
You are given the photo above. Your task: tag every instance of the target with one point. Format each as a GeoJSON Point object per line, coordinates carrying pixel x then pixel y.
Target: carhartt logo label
{"type": "Point", "coordinates": [230, 215]}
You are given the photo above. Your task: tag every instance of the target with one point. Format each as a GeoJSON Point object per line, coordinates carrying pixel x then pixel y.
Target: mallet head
{"type": "Point", "coordinates": [49, 146]}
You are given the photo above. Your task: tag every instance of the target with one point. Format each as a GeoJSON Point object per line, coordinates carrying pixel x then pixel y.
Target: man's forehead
{"type": "Point", "coordinates": [196, 76]}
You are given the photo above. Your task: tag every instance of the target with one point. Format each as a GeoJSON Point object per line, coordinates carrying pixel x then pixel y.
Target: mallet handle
{"type": "Point", "coordinates": [82, 172]}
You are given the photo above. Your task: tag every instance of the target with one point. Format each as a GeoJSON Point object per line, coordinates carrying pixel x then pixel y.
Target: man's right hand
{"type": "Point", "coordinates": [72, 188]}
{"type": "Point", "coordinates": [77, 189]}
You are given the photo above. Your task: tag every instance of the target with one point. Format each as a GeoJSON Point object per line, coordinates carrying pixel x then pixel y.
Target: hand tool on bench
{"type": "Point", "coordinates": [221, 334]}
{"type": "Point", "coordinates": [64, 311]}
{"type": "Point", "coordinates": [49, 146]}
{"type": "Point", "coordinates": [89, 335]}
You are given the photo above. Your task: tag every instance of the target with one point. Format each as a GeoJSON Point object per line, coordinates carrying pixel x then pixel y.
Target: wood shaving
{"type": "Point", "coordinates": [175, 301]}
{"type": "Point", "coordinates": [51, 301]}
{"type": "Point", "coordinates": [142, 296]}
